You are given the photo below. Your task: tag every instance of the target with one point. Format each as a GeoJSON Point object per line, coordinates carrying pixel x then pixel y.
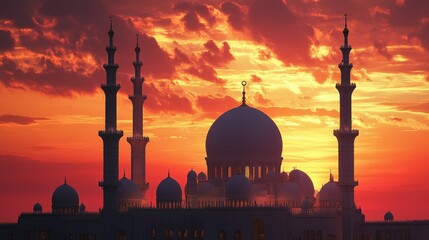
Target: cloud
{"type": "Point", "coordinates": [272, 22]}
{"type": "Point", "coordinates": [236, 16]}
{"type": "Point", "coordinates": [287, 112]}
{"type": "Point", "coordinates": [214, 106]}
{"type": "Point", "coordinates": [162, 99]}
{"type": "Point", "coordinates": [381, 48]}
{"type": "Point", "coordinates": [193, 13]}
{"type": "Point", "coordinates": [181, 57]}
{"type": "Point", "coordinates": [217, 56]}
{"type": "Point", "coordinates": [255, 78]}
{"type": "Point", "coordinates": [259, 98]}
{"type": "Point", "coordinates": [320, 74]}
{"type": "Point", "coordinates": [20, 120]}
{"type": "Point", "coordinates": [413, 107]}
{"type": "Point", "coordinates": [205, 72]}
{"type": "Point", "coordinates": [7, 42]}
{"type": "Point", "coordinates": [61, 50]}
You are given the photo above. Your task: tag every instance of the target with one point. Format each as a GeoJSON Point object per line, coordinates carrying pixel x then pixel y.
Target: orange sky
{"type": "Point", "coordinates": [195, 56]}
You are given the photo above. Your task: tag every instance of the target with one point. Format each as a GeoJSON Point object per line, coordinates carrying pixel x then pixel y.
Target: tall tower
{"type": "Point", "coordinates": [138, 141]}
{"type": "Point", "coordinates": [346, 136]}
{"type": "Point", "coordinates": [110, 135]}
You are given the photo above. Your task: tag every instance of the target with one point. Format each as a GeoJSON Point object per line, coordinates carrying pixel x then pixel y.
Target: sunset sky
{"type": "Point", "coordinates": [195, 55]}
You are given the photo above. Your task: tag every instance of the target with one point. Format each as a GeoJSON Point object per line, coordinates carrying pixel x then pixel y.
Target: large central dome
{"type": "Point", "coordinates": [244, 131]}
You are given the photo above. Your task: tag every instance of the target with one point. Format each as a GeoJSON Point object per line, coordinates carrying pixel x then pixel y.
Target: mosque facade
{"type": "Point", "coordinates": [243, 195]}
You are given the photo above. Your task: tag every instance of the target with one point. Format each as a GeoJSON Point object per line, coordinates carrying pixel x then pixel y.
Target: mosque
{"type": "Point", "coordinates": [243, 195]}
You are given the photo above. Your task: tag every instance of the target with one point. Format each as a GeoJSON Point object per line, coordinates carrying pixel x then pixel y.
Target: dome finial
{"type": "Point", "coordinates": [65, 180]}
{"type": "Point", "coordinates": [124, 172]}
{"type": "Point", "coordinates": [244, 83]}
{"type": "Point", "coordinates": [331, 176]}
{"type": "Point", "coordinates": [168, 173]}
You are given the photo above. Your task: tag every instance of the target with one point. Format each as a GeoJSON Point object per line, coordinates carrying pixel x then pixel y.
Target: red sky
{"type": "Point", "coordinates": [195, 56]}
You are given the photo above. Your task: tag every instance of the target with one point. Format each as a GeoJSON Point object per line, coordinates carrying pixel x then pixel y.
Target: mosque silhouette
{"type": "Point", "coordinates": [243, 195]}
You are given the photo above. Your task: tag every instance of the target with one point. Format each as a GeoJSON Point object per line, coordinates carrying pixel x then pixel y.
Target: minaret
{"type": "Point", "coordinates": [110, 135]}
{"type": "Point", "coordinates": [138, 141]}
{"type": "Point", "coordinates": [346, 136]}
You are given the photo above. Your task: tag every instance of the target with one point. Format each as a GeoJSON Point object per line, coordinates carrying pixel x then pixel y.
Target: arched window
{"type": "Point", "coordinates": [319, 235]}
{"type": "Point", "coordinates": [238, 235]}
{"type": "Point", "coordinates": [153, 233]}
{"type": "Point", "coordinates": [259, 175]}
{"type": "Point", "coordinates": [221, 172]}
{"type": "Point", "coordinates": [229, 171]}
{"type": "Point", "coordinates": [222, 235]}
{"type": "Point", "coordinates": [247, 171]}
{"type": "Point", "coordinates": [258, 230]}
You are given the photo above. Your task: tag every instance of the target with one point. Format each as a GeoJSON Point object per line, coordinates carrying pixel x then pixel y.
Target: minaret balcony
{"type": "Point", "coordinates": [346, 132]}
{"type": "Point", "coordinates": [345, 87]}
{"type": "Point", "coordinates": [110, 133]}
{"type": "Point", "coordinates": [138, 138]}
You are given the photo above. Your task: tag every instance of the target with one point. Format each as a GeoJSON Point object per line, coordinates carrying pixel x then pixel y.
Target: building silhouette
{"type": "Point", "coordinates": [242, 195]}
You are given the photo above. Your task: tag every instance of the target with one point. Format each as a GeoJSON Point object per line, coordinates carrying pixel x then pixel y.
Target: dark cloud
{"type": "Point", "coordinates": [162, 99]}
{"type": "Point", "coordinates": [181, 57]}
{"type": "Point", "coordinates": [423, 35]}
{"type": "Point", "coordinates": [6, 40]}
{"type": "Point", "coordinates": [236, 16]}
{"type": "Point", "coordinates": [193, 13]}
{"type": "Point", "coordinates": [216, 56]}
{"type": "Point", "coordinates": [205, 72]}
{"type": "Point", "coordinates": [381, 48]}
{"type": "Point", "coordinates": [53, 79]}
{"type": "Point", "coordinates": [66, 33]}
{"type": "Point", "coordinates": [20, 12]}
{"type": "Point", "coordinates": [20, 120]}
{"type": "Point", "coordinates": [274, 24]}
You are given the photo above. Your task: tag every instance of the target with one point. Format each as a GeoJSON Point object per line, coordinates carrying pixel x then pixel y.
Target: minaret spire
{"type": "Point", "coordinates": [138, 141]}
{"type": "Point", "coordinates": [345, 31]}
{"type": "Point", "coordinates": [346, 136]}
{"type": "Point", "coordinates": [111, 137]}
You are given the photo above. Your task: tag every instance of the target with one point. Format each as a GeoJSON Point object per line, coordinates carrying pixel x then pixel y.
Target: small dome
{"type": "Point", "coordinates": [388, 216]}
{"type": "Point", "coordinates": [330, 192]}
{"type": "Point", "coordinates": [128, 190]}
{"type": "Point", "coordinates": [288, 191]}
{"type": "Point", "coordinates": [82, 208]}
{"type": "Point", "coordinates": [65, 196]}
{"type": "Point", "coordinates": [238, 188]}
{"type": "Point", "coordinates": [205, 189]}
{"type": "Point", "coordinates": [37, 208]}
{"type": "Point", "coordinates": [169, 190]}
{"type": "Point", "coordinates": [192, 175]}
{"type": "Point", "coordinates": [283, 177]}
{"type": "Point", "coordinates": [244, 131]}
{"type": "Point", "coordinates": [304, 182]}
{"type": "Point", "coordinates": [272, 177]}
{"type": "Point", "coordinates": [202, 177]}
